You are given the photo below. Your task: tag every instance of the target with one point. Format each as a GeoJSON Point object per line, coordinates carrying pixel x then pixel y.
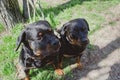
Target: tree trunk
{"type": "Point", "coordinates": [30, 10]}
{"type": "Point", "coordinates": [27, 9]}
{"type": "Point", "coordinates": [9, 13]}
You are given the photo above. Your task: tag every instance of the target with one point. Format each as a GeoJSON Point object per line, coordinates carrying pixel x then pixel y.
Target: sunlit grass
{"type": "Point", "coordinates": [1, 28]}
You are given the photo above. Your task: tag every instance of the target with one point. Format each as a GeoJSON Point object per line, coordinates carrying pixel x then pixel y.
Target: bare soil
{"type": "Point", "coordinates": [103, 61]}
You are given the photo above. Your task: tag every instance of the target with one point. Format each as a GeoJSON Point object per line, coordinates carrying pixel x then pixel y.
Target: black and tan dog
{"type": "Point", "coordinates": [74, 39]}
{"type": "Point", "coordinates": [40, 46]}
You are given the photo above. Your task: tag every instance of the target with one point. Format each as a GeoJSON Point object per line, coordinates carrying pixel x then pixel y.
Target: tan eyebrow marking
{"type": "Point", "coordinates": [40, 33]}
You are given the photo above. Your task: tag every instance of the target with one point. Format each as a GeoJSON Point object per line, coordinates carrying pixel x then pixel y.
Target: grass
{"type": "Point", "coordinates": [1, 28]}
{"type": "Point", "coordinates": [8, 54]}
{"type": "Point", "coordinates": [57, 15]}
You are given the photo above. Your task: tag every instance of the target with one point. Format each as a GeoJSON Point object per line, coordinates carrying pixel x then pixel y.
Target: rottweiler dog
{"type": "Point", "coordinates": [40, 46]}
{"type": "Point", "coordinates": [74, 39]}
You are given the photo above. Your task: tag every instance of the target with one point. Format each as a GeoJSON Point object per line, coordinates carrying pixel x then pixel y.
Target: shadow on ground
{"type": "Point", "coordinates": [96, 65]}
{"type": "Point", "coordinates": [115, 72]}
{"type": "Point", "coordinates": [56, 10]}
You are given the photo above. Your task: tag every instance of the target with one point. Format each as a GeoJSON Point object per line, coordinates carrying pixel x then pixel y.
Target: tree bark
{"type": "Point", "coordinates": [27, 9]}
{"type": "Point", "coordinates": [9, 13]}
{"type": "Point", "coordinates": [30, 11]}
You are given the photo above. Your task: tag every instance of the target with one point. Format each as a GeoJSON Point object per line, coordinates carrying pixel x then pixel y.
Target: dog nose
{"type": "Point", "coordinates": [85, 41]}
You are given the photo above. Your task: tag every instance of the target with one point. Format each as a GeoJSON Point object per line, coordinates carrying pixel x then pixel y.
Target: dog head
{"type": "Point", "coordinates": [39, 38]}
{"type": "Point", "coordinates": [76, 31]}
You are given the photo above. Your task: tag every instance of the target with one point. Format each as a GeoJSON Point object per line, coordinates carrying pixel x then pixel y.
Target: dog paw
{"type": "Point", "coordinates": [59, 72]}
{"type": "Point", "coordinates": [26, 78]}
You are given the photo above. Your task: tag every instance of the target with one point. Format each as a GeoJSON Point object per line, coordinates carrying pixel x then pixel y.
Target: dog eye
{"type": "Point", "coordinates": [50, 31]}
{"type": "Point", "coordinates": [83, 29]}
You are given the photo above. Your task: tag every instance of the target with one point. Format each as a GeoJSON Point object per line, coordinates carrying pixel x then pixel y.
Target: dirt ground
{"type": "Point", "coordinates": [103, 61]}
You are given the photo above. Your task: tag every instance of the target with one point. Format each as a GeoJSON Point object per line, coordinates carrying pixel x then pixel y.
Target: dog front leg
{"type": "Point", "coordinates": [79, 64]}
{"type": "Point", "coordinates": [58, 66]}
{"type": "Point", "coordinates": [27, 74]}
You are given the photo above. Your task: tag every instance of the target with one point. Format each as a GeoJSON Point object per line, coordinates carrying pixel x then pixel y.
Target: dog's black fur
{"type": "Point", "coordinates": [74, 39]}
{"type": "Point", "coordinates": [40, 45]}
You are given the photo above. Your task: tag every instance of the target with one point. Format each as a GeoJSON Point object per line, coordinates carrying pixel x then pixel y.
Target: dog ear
{"type": "Point", "coordinates": [20, 39]}
{"type": "Point", "coordinates": [87, 24]}
{"type": "Point", "coordinates": [64, 28]}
